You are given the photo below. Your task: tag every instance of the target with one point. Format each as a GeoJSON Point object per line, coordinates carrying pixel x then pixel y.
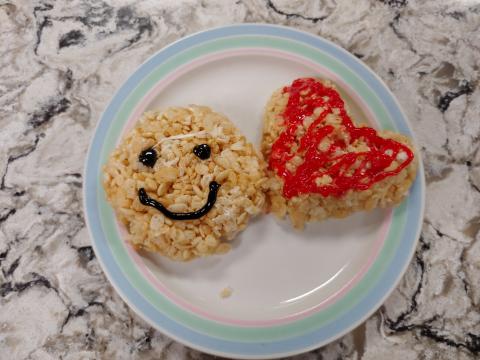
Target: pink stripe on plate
{"type": "Point", "coordinates": [182, 303]}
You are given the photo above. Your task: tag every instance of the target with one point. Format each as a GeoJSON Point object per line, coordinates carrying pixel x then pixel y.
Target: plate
{"type": "Point", "coordinates": [291, 291]}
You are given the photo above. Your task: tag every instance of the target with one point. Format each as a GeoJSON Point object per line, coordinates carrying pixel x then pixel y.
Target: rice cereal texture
{"type": "Point", "coordinates": [315, 207]}
{"type": "Point", "coordinates": [180, 181]}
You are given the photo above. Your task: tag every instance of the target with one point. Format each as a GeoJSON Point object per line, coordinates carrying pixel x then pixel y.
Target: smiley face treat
{"type": "Point", "coordinates": [184, 182]}
{"type": "Point", "coordinates": [322, 164]}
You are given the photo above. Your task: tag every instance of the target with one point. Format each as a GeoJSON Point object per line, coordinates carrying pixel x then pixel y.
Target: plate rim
{"type": "Point", "coordinates": [420, 175]}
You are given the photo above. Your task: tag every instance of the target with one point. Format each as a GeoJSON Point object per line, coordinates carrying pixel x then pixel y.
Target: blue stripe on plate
{"type": "Point", "coordinates": [228, 348]}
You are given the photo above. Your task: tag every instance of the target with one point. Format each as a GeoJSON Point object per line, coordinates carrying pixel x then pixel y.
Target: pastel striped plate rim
{"type": "Point", "coordinates": [227, 339]}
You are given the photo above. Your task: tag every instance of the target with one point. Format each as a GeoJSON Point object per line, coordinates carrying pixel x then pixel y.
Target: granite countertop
{"type": "Point", "coordinates": [62, 60]}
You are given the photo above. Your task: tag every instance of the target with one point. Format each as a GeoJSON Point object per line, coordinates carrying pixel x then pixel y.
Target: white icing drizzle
{"type": "Point", "coordinates": [200, 134]}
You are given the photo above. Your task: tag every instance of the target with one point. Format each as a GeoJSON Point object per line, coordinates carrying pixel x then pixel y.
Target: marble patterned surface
{"type": "Point", "coordinates": [61, 61]}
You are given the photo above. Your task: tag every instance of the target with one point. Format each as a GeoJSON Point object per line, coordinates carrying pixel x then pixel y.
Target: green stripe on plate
{"type": "Point", "coordinates": [229, 332]}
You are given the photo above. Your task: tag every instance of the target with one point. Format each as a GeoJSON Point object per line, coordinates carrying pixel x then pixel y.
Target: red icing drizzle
{"type": "Point", "coordinates": [347, 170]}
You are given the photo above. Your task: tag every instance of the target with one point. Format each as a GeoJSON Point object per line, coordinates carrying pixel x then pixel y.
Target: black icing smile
{"type": "Point", "coordinates": [149, 157]}
{"type": "Point", "coordinates": [212, 197]}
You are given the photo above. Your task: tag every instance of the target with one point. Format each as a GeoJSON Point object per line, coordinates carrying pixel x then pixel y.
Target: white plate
{"type": "Point", "coordinates": [292, 291]}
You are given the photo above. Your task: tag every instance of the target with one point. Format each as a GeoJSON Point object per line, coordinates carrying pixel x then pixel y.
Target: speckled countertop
{"type": "Point", "coordinates": [60, 62]}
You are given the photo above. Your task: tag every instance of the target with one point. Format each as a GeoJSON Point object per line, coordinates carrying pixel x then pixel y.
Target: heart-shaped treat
{"type": "Point", "coordinates": [322, 164]}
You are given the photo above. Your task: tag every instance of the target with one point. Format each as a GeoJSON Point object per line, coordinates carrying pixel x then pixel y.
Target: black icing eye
{"type": "Point", "coordinates": [148, 157]}
{"type": "Point", "coordinates": [202, 151]}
